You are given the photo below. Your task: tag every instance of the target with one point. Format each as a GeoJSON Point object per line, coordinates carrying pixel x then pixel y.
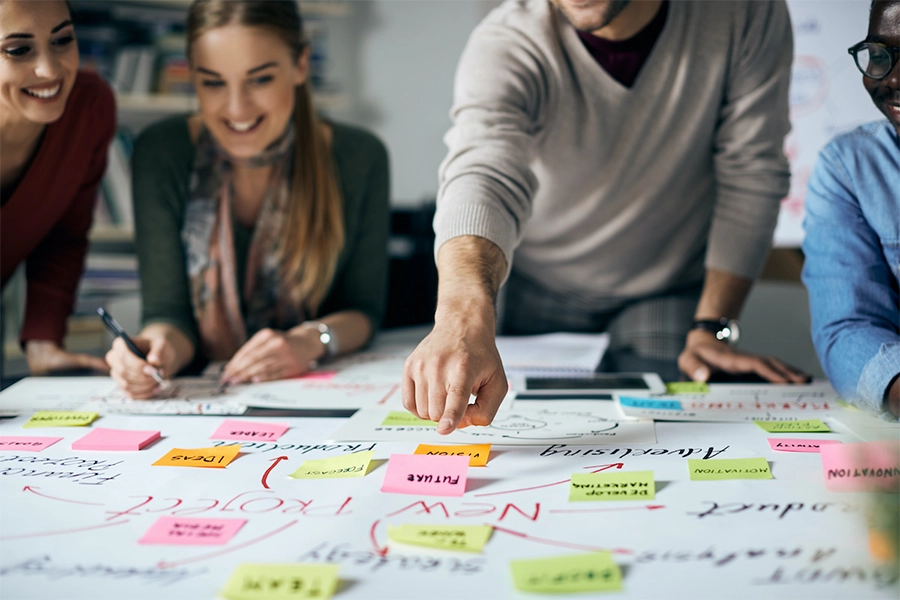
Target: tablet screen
{"type": "Point", "coordinates": [586, 383]}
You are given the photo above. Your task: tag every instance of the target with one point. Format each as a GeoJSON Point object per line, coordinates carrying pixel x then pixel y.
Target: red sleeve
{"type": "Point", "coordinates": [55, 266]}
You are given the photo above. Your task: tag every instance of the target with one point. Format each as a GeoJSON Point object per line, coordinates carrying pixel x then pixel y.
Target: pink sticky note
{"type": "Point", "coordinates": [115, 440]}
{"type": "Point", "coordinates": [24, 443]}
{"type": "Point", "coordinates": [862, 467]}
{"type": "Point", "coordinates": [185, 531]}
{"type": "Point", "coordinates": [798, 444]}
{"type": "Point", "coordinates": [318, 375]}
{"type": "Point", "coordinates": [248, 430]}
{"type": "Point", "coordinates": [426, 474]}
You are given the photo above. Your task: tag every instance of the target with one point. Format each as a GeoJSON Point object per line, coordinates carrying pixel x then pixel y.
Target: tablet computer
{"type": "Point", "coordinates": [647, 383]}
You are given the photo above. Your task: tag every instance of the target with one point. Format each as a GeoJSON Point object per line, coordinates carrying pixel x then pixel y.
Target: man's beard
{"type": "Point", "coordinates": [604, 17]}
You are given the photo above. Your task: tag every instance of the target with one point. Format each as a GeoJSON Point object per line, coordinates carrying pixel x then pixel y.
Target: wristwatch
{"type": "Point", "coordinates": [326, 336]}
{"type": "Point", "coordinates": [727, 330]}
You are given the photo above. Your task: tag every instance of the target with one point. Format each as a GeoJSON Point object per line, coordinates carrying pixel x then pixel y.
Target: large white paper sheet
{"type": "Point", "coordinates": [70, 521]}
{"type": "Point", "coordinates": [184, 396]}
{"type": "Point", "coordinates": [737, 402]}
{"type": "Point", "coordinates": [519, 426]}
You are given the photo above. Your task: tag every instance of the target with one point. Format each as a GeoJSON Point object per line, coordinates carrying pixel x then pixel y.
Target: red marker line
{"type": "Point", "coordinates": [67, 531]}
{"type": "Point", "coordinates": [168, 565]}
{"type": "Point", "coordinates": [593, 510]}
{"type": "Point", "coordinates": [379, 550]}
{"type": "Point", "coordinates": [390, 393]}
{"type": "Point", "coordinates": [269, 470]}
{"type": "Point", "coordinates": [572, 545]}
{"type": "Point", "coordinates": [537, 487]}
{"type": "Point", "coordinates": [33, 490]}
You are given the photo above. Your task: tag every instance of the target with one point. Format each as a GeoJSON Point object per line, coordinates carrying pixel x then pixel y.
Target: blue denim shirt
{"type": "Point", "coordinates": [852, 249]}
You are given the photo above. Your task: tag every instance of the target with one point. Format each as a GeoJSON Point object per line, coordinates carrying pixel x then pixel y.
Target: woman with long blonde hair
{"type": "Point", "coordinates": [261, 229]}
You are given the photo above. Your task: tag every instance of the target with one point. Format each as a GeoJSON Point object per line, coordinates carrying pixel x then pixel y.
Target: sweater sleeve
{"type": "Point", "coordinates": [55, 266]}
{"type": "Point", "coordinates": [486, 185]}
{"type": "Point", "coordinates": [361, 283]}
{"type": "Point", "coordinates": [852, 303]}
{"type": "Point", "coordinates": [752, 173]}
{"type": "Point", "coordinates": [161, 167]}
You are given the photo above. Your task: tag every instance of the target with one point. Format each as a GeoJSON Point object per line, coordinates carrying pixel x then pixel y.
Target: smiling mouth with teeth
{"type": "Point", "coordinates": [243, 126]}
{"type": "Point", "coordinates": [43, 94]}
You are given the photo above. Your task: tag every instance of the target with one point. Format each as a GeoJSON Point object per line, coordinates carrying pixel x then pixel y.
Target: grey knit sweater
{"type": "Point", "coordinates": [605, 191]}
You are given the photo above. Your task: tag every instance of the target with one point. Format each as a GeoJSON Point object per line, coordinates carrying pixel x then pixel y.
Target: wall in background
{"type": "Point", "coordinates": [397, 60]}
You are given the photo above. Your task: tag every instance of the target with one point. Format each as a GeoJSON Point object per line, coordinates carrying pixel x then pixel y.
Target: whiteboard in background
{"type": "Point", "coordinates": [827, 96]}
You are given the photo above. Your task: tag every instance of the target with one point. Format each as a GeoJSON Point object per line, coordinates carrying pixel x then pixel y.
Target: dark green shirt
{"type": "Point", "coordinates": [162, 165]}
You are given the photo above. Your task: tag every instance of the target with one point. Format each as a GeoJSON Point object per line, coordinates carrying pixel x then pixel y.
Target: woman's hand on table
{"type": "Point", "coordinates": [270, 355]}
{"type": "Point", "coordinates": [46, 357]}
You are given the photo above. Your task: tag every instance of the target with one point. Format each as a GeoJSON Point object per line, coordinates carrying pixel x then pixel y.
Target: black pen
{"type": "Point", "coordinates": [116, 330]}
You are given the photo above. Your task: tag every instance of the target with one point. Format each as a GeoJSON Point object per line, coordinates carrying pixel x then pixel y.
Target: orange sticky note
{"type": "Point", "coordinates": [214, 458]}
{"type": "Point", "coordinates": [478, 453]}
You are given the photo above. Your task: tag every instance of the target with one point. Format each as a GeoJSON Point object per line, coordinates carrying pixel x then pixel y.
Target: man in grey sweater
{"type": "Point", "coordinates": [630, 155]}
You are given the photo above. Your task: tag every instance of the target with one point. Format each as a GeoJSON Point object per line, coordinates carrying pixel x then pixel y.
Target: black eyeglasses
{"type": "Point", "coordinates": [875, 60]}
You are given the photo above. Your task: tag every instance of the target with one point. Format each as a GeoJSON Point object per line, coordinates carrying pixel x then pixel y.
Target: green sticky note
{"type": "Point", "coordinates": [281, 582]}
{"type": "Point", "coordinates": [729, 468]}
{"type": "Point", "coordinates": [347, 465]}
{"type": "Point", "coordinates": [633, 485]}
{"type": "Point", "coordinates": [46, 418]}
{"type": "Point", "coordinates": [810, 426]}
{"type": "Point", "coordinates": [594, 572]}
{"type": "Point", "coordinates": [469, 538]}
{"type": "Point", "coordinates": [398, 418]}
{"type": "Point", "coordinates": [687, 387]}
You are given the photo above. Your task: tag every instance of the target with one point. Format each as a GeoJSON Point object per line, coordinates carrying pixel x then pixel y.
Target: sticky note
{"type": "Point", "coordinates": [428, 475]}
{"type": "Point", "coordinates": [400, 418]}
{"type": "Point", "coordinates": [318, 375]}
{"type": "Point", "coordinates": [468, 538]}
{"type": "Point", "coordinates": [294, 581]}
{"type": "Point", "coordinates": [248, 430]}
{"type": "Point", "coordinates": [594, 572]}
{"type": "Point", "coordinates": [650, 403]}
{"type": "Point", "coordinates": [46, 418]}
{"type": "Point", "coordinates": [115, 440]}
{"type": "Point", "coordinates": [798, 444]}
{"type": "Point", "coordinates": [217, 458]}
{"type": "Point", "coordinates": [620, 485]}
{"type": "Point", "coordinates": [729, 468]}
{"type": "Point", "coordinates": [868, 466]}
{"type": "Point", "coordinates": [346, 465]}
{"type": "Point", "coordinates": [187, 531]}
{"type": "Point", "coordinates": [687, 387]}
{"type": "Point", "coordinates": [478, 453]}
{"type": "Point", "coordinates": [21, 443]}
{"type": "Point", "coordinates": [811, 425]}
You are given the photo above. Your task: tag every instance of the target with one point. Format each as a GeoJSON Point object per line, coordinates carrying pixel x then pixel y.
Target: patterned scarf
{"type": "Point", "coordinates": [208, 238]}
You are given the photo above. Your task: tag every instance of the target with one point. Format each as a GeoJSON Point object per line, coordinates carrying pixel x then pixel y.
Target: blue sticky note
{"type": "Point", "coordinates": [650, 403]}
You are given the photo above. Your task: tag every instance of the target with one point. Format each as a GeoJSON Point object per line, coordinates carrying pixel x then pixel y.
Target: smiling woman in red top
{"type": "Point", "coordinates": [56, 123]}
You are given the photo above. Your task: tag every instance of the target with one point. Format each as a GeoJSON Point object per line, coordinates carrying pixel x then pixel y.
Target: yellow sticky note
{"type": "Point", "coordinates": [810, 425]}
{"type": "Point", "coordinates": [46, 418]}
{"type": "Point", "coordinates": [469, 538]}
{"type": "Point", "coordinates": [347, 465]}
{"type": "Point", "coordinates": [399, 418]}
{"type": "Point", "coordinates": [478, 453]}
{"type": "Point", "coordinates": [281, 582]}
{"type": "Point", "coordinates": [687, 387]}
{"type": "Point", "coordinates": [624, 485]}
{"type": "Point", "coordinates": [729, 468]}
{"type": "Point", "coordinates": [215, 458]}
{"type": "Point", "coordinates": [594, 572]}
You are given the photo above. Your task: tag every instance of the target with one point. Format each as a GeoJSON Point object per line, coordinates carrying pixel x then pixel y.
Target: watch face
{"type": "Point", "coordinates": [731, 332]}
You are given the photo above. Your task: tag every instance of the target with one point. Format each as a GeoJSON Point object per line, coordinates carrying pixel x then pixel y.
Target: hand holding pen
{"type": "Point", "coordinates": [126, 370]}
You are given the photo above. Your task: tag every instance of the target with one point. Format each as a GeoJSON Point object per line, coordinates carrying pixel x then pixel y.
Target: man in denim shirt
{"type": "Point", "coordinates": [852, 241]}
